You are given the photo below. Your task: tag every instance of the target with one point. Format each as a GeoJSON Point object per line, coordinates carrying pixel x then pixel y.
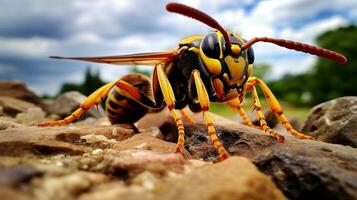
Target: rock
{"type": "Point", "coordinates": [19, 141]}
{"type": "Point", "coordinates": [334, 121]}
{"type": "Point", "coordinates": [309, 169]}
{"type": "Point", "coordinates": [235, 178]}
{"type": "Point", "coordinates": [68, 102]}
{"type": "Point", "coordinates": [8, 193]}
{"type": "Point", "coordinates": [8, 122]}
{"type": "Point", "coordinates": [301, 169]}
{"type": "Point", "coordinates": [14, 176]}
{"type": "Point", "coordinates": [151, 143]}
{"type": "Point", "coordinates": [1, 111]}
{"type": "Point", "coordinates": [68, 186]}
{"type": "Point", "coordinates": [31, 116]}
{"type": "Point", "coordinates": [17, 89]}
{"type": "Point", "coordinates": [12, 106]}
{"type": "Point", "coordinates": [270, 118]}
{"type": "Point", "coordinates": [162, 120]}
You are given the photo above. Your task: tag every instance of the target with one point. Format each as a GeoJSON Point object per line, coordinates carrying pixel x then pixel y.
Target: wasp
{"type": "Point", "coordinates": [216, 67]}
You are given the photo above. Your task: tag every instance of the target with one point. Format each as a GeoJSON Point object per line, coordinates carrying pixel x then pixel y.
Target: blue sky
{"type": "Point", "coordinates": [30, 31]}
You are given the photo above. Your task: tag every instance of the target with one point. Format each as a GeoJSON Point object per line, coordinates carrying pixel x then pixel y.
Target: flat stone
{"type": "Point", "coordinates": [55, 140]}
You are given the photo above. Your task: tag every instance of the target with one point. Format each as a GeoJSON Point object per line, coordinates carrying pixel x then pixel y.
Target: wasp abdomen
{"type": "Point", "coordinates": [120, 108]}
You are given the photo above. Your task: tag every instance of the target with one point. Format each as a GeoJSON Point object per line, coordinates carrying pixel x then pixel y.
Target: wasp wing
{"type": "Point", "coordinates": [136, 59]}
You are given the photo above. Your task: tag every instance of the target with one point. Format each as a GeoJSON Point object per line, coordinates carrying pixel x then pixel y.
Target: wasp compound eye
{"type": "Point", "coordinates": [210, 46]}
{"type": "Point", "coordinates": [251, 56]}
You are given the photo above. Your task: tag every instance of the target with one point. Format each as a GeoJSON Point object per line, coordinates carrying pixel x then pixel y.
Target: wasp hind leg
{"type": "Point", "coordinates": [96, 97]}
{"type": "Point", "coordinates": [93, 100]}
{"type": "Point", "coordinates": [276, 108]}
{"type": "Point", "coordinates": [204, 102]}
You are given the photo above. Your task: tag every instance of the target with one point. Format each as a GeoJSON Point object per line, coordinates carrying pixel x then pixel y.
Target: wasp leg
{"type": "Point", "coordinates": [261, 118]}
{"type": "Point", "coordinates": [276, 108]}
{"type": "Point", "coordinates": [204, 102]}
{"type": "Point", "coordinates": [234, 103]}
{"type": "Point", "coordinates": [187, 117]}
{"type": "Point", "coordinates": [96, 97]}
{"type": "Point", "coordinates": [169, 98]}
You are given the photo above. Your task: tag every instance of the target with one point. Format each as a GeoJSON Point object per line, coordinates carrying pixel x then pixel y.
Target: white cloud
{"type": "Point", "coordinates": [310, 31]}
{"type": "Point", "coordinates": [289, 65]}
{"type": "Point", "coordinates": [26, 47]}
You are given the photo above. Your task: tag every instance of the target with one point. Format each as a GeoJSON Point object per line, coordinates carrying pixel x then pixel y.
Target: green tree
{"type": "Point", "coordinates": [329, 79]}
{"type": "Point", "coordinates": [92, 81]}
{"type": "Point", "coordinates": [261, 70]}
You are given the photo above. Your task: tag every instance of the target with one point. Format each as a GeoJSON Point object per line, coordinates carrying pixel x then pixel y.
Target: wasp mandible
{"type": "Point", "coordinates": [216, 67]}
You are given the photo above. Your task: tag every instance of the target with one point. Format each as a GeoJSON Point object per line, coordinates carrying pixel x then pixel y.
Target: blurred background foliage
{"type": "Point", "coordinates": [325, 81]}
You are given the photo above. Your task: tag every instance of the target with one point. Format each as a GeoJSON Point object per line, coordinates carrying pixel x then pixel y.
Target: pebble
{"type": "Point", "coordinates": [115, 132]}
{"type": "Point", "coordinates": [92, 138]}
{"type": "Point", "coordinates": [112, 141]}
{"type": "Point", "coordinates": [97, 151]}
{"type": "Point", "coordinates": [2, 111]}
{"type": "Point", "coordinates": [32, 115]}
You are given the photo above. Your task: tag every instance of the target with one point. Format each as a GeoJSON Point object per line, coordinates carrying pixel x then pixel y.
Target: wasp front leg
{"type": "Point", "coordinates": [187, 117]}
{"type": "Point", "coordinates": [276, 108]}
{"type": "Point", "coordinates": [204, 102]}
{"type": "Point", "coordinates": [161, 82]}
{"type": "Point", "coordinates": [261, 118]}
{"type": "Point", "coordinates": [235, 103]}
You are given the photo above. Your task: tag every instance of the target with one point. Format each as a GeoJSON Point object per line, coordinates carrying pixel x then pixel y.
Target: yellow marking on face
{"type": "Point", "coordinates": [213, 65]}
{"type": "Point", "coordinates": [236, 67]}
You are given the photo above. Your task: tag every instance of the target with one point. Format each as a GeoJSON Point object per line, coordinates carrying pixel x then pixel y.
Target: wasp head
{"type": "Point", "coordinates": [229, 67]}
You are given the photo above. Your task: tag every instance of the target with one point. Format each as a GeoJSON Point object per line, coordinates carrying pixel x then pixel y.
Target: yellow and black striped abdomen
{"type": "Point", "coordinates": [122, 109]}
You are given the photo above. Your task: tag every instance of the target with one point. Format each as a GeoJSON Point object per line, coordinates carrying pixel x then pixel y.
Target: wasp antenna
{"type": "Point", "coordinates": [199, 16]}
{"type": "Point", "coordinates": [298, 46]}
{"type": "Point", "coordinates": [56, 57]}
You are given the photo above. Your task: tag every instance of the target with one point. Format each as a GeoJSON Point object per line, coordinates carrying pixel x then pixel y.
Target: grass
{"type": "Point", "coordinates": [291, 111]}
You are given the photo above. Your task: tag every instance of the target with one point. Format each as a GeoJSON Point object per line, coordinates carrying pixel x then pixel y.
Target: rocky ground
{"type": "Point", "coordinates": [92, 159]}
